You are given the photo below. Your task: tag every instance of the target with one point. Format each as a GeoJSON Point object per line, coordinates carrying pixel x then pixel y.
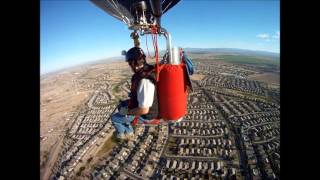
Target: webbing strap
{"type": "Point", "coordinates": [135, 120]}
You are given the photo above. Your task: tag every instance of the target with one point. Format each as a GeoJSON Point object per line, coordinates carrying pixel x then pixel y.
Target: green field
{"type": "Point", "coordinates": [108, 145]}
{"type": "Point", "coordinates": [251, 60]}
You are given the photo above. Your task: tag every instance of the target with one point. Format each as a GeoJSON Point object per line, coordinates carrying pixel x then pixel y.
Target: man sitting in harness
{"type": "Point", "coordinates": [143, 104]}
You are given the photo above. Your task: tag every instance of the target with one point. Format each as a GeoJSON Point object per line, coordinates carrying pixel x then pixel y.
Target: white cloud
{"type": "Point", "coordinates": [277, 36]}
{"type": "Point", "coordinates": [266, 37]}
{"type": "Point", "coordinates": [263, 36]}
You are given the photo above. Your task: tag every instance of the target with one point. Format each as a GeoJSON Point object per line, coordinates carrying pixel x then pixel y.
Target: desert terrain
{"type": "Point", "coordinates": [68, 94]}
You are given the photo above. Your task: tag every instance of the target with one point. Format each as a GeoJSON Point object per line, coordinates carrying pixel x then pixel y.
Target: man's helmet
{"type": "Point", "coordinates": [136, 56]}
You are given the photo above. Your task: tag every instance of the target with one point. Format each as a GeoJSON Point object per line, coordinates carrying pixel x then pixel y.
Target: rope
{"type": "Point", "coordinates": [155, 44]}
{"type": "Point", "coordinates": [181, 55]}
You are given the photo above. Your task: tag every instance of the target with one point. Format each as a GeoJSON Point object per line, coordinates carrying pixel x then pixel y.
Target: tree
{"type": "Point", "coordinates": [89, 160]}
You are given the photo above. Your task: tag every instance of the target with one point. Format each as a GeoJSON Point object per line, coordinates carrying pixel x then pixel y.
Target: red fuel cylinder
{"type": "Point", "coordinates": [172, 91]}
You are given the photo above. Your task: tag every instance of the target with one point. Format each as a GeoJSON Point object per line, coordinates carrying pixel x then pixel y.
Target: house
{"type": "Point", "coordinates": [186, 165]}
{"type": "Point", "coordinates": [122, 176]}
{"type": "Point", "coordinates": [224, 142]}
{"type": "Point", "coordinates": [164, 177]}
{"type": "Point", "coordinates": [205, 165]}
{"type": "Point", "coordinates": [143, 151]}
{"type": "Point", "coordinates": [174, 164]}
{"type": "Point", "coordinates": [215, 151]}
{"type": "Point", "coordinates": [193, 165]}
{"type": "Point", "coordinates": [146, 172]}
{"type": "Point", "coordinates": [168, 163]}
{"type": "Point", "coordinates": [199, 165]}
{"type": "Point", "coordinates": [218, 165]}
{"type": "Point", "coordinates": [113, 166]}
{"type": "Point", "coordinates": [208, 131]}
{"type": "Point", "coordinates": [180, 165]}
{"type": "Point", "coordinates": [198, 151]}
{"type": "Point", "coordinates": [108, 170]}
{"type": "Point", "coordinates": [61, 178]}
{"type": "Point", "coordinates": [255, 171]}
{"type": "Point", "coordinates": [182, 142]}
{"type": "Point", "coordinates": [204, 152]}
{"type": "Point", "coordinates": [233, 171]}
{"type": "Point", "coordinates": [208, 142]}
{"type": "Point", "coordinates": [225, 171]}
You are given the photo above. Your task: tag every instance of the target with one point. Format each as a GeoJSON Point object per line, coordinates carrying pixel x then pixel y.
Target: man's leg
{"type": "Point", "coordinates": [122, 123]}
{"type": "Point", "coordinates": [117, 120]}
{"type": "Point", "coordinates": [128, 126]}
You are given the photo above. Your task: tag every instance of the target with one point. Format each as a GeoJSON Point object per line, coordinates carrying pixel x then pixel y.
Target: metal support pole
{"type": "Point", "coordinates": [134, 35]}
{"type": "Point", "coordinates": [168, 40]}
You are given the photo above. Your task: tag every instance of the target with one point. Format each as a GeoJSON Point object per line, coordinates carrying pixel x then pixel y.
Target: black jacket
{"type": "Point", "coordinates": [147, 72]}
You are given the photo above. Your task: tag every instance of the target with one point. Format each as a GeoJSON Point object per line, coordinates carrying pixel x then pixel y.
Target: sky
{"type": "Point", "coordinates": [73, 32]}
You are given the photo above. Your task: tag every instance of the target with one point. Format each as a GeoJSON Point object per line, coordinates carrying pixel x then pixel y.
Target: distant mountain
{"type": "Point", "coordinates": [105, 60]}
{"type": "Point", "coordinates": [233, 51]}
{"type": "Point", "coordinates": [246, 52]}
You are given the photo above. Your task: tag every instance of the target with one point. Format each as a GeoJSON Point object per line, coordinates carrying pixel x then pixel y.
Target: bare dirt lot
{"type": "Point", "coordinates": [269, 78]}
{"type": "Point", "coordinates": [61, 95]}
{"type": "Point", "coordinates": [197, 77]}
{"type": "Point", "coordinates": [59, 100]}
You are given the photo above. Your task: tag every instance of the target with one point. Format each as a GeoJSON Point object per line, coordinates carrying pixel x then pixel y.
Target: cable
{"type": "Point", "coordinates": [147, 46]}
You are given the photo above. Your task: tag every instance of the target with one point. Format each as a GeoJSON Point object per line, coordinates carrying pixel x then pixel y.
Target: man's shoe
{"type": "Point", "coordinates": [121, 136]}
{"type": "Point", "coordinates": [153, 122]}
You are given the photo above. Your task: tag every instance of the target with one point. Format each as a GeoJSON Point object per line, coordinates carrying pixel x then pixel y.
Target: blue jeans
{"type": "Point", "coordinates": [122, 123]}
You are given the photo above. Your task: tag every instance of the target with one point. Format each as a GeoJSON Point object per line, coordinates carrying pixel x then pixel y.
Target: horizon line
{"type": "Point", "coordinates": [112, 58]}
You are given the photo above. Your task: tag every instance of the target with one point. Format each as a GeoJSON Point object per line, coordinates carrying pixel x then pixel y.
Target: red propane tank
{"type": "Point", "coordinates": [172, 91]}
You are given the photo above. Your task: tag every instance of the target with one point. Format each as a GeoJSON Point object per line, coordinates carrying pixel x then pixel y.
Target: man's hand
{"type": "Point", "coordinates": [139, 111]}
